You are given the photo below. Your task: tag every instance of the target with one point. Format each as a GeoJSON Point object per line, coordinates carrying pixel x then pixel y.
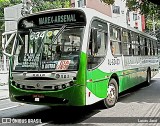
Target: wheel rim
{"type": "Point", "coordinates": [111, 95]}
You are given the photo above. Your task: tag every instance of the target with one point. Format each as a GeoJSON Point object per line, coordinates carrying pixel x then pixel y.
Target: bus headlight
{"type": "Point", "coordinates": [64, 86]}
{"type": "Point", "coordinates": [57, 76]}
{"type": "Point", "coordinates": [71, 83]}
{"type": "Point", "coordinates": [56, 87]}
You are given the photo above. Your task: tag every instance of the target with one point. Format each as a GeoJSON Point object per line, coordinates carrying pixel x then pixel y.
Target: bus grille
{"type": "Point", "coordinates": [44, 88]}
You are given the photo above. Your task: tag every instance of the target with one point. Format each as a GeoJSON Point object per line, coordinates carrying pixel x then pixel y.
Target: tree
{"type": "Point", "coordinates": [155, 1]}
{"type": "Point", "coordinates": [49, 4]}
{"type": "Point", "coordinates": [145, 6]}
{"type": "Point", "coordinates": [108, 1]}
{"type": "Point", "coordinates": [3, 4]}
{"type": "Point", "coordinates": [149, 9]}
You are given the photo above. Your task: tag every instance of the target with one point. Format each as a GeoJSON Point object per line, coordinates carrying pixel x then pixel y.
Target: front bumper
{"type": "Point", "coordinates": [71, 96]}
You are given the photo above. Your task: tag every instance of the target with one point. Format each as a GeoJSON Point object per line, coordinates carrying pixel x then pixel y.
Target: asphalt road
{"type": "Point", "coordinates": [137, 107]}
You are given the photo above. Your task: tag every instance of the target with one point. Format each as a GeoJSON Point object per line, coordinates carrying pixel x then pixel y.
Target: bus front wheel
{"type": "Point", "coordinates": [112, 94]}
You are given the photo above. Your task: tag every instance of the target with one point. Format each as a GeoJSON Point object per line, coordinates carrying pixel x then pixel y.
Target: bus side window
{"type": "Point", "coordinates": [91, 46]}
{"type": "Point", "coordinates": [96, 48]}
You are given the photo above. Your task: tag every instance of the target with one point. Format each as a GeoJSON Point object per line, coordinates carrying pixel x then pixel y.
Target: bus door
{"type": "Point", "coordinates": [97, 47]}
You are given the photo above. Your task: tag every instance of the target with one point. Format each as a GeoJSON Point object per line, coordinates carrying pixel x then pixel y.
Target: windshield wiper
{"type": "Point", "coordinates": [60, 32]}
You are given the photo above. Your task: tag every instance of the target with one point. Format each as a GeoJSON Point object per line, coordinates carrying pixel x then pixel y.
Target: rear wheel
{"type": "Point", "coordinates": [112, 94]}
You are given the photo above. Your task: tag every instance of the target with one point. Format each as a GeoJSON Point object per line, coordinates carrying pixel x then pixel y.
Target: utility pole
{"type": "Point", "coordinates": [154, 27]}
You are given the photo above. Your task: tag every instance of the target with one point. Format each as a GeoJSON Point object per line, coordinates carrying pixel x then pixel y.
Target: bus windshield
{"type": "Point", "coordinates": [48, 49]}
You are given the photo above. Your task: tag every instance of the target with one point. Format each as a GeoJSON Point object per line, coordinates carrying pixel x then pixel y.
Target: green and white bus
{"type": "Point", "coordinates": [77, 57]}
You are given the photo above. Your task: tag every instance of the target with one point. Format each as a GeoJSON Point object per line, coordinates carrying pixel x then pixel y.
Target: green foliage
{"type": "Point", "coordinates": [145, 7]}
{"type": "Point", "coordinates": [108, 1]}
{"type": "Point", "coordinates": [49, 4]}
{"type": "Point", "coordinates": [149, 25]}
{"type": "Point", "coordinates": [3, 4]}
{"type": "Point", "coordinates": [148, 9]}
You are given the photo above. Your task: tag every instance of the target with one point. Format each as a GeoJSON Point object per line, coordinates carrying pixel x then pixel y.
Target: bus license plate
{"type": "Point", "coordinates": [37, 97]}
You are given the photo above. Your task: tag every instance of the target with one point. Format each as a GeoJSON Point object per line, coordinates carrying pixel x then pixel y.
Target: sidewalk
{"type": "Point", "coordinates": [157, 75]}
{"type": "Point", "coordinates": [4, 93]}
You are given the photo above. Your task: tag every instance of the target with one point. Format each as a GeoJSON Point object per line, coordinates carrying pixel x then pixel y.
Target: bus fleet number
{"type": "Point", "coordinates": [113, 61]}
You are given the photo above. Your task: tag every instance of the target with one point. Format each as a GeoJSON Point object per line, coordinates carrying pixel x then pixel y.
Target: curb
{"type": "Point", "coordinates": [4, 98]}
{"type": "Point", "coordinates": [3, 84]}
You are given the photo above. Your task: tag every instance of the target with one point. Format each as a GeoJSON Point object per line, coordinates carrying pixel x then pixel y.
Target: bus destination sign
{"type": "Point", "coordinates": [52, 18]}
{"type": "Point", "coordinates": [57, 19]}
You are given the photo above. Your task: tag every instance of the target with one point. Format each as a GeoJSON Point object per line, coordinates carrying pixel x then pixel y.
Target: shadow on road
{"type": "Point", "coordinates": [61, 115]}
{"type": "Point", "coordinates": [141, 93]}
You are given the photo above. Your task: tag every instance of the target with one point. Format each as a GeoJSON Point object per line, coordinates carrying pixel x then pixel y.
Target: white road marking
{"type": "Point", "coordinates": [21, 104]}
{"type": "Point", "coordinates": [42, 124]}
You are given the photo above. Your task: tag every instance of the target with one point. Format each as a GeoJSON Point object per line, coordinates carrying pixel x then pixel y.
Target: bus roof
{"type": "Point", "coordinates": [90, 13]}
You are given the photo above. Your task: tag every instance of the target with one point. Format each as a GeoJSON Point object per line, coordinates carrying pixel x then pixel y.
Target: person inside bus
{"type": "Point", "coordinates": [58, 52]}
{"type": "Point", "coordinates": [112, 48]}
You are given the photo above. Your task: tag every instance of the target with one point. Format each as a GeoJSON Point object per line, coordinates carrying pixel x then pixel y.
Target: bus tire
{"type": "Point", "coordinates": [112, 94]}
{"type": "Point", "coordinates": [148, 78]}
